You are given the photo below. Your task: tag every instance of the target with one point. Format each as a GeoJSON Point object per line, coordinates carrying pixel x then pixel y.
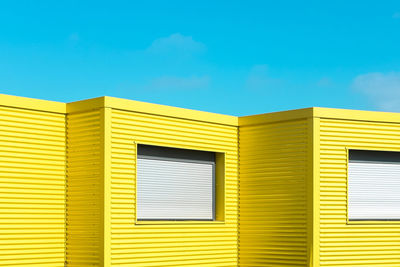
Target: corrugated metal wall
{"type": "Point", "coordinates": [79, 181]}
{"type": "Point", "coordinates": [273, 185]}
{"type": "Point", "coordinates": [177, 244]}
{"type": "Point", "coordinates": [84, 189]}
{"type": "Point", "coordinates": [32, 188]}
{"type": "Point", "coordinates": [343, 244]}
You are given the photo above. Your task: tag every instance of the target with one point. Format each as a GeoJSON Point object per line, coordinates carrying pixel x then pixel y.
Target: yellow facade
{"type": "Point", "coordinates": [84, 192]}
{"type": "Point", "coordinates": [32, 183]}
{"type": "Point", "coordinates": [340, 242]}
{"type": "Point", "coordinates": [161, 243]}
{"type": "Point", "coordinates": [68, 186]}
{"type": "Point", "coordinates": [274, 170]}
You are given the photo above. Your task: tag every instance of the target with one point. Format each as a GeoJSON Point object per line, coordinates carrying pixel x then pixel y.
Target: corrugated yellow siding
{"type": "Point", "coordinates": [178, 244]}
{"type": "Point", "coordinates": [67, 187]}
{"type": "Point", "coordinates": [32, 188]}
{"type": "Point", "coordinates": [273, 187]}
{"type": "Point", "coordinates": [84, 189]}
{"type": "Point", "coordinates": [343, 244]}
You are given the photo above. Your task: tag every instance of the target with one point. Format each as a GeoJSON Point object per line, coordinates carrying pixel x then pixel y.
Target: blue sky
{"type": "Point", "coordinates": [231, 57]}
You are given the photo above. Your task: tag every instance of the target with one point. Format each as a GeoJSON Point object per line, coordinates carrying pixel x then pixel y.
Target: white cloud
{"type": "Point", "coordinates": [179, 83]}
{"type": "Point", "coordinates": [383, 89]}
{"type": "Point", "coordinates": [396, 15]}
{"type": "Point", "coordinates": [259, 79]}
{"type": "Point", "coordinates": [176, 43]}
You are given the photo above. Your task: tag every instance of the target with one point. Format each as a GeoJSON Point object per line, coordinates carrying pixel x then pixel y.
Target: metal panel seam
{"type": "Point", "coordinates": [65, 187]}
{"type": "Point", "coordinates": [106, 180]}
{"type": "Point", "coordinates": [238, 196]}
{"type": "Point", "coordinates": [316, 190]}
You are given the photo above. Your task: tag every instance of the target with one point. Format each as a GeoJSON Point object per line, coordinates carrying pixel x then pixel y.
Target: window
{"type": "Point", "coordinates": [373, 185]}
{"type": "Point", "coordinates": [175, 184]}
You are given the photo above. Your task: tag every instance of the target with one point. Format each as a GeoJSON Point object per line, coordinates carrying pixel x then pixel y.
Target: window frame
{"type": "Point", "coordinates": [219, 186]}
{"type": "Point", "coordinates": [367, 221]}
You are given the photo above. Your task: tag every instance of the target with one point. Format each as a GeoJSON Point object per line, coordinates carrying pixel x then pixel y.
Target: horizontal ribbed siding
{"type": "Point", "coordinates": [196, 244]}
{"type": "Point", "coordinates": [32, 188]}
{"type": "Point", "coordinates": [84, 191]}
{"type": "Point", "coordinates": [343, 244]}
{"type": "Point", "coordinates": [273, 208]}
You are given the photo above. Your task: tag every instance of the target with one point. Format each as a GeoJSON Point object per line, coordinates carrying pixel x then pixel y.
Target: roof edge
{"type": "Point", "coordinates": [176, 112]}
{"type": "Point", "coordinates": [85, 105]}
{"type": "Point", "coordinates": [294, 114]}
{"type": "Point", "coordinates": [169, 111]}
{"type": "Point", "coordinates": [356, 115]}
{"type": "Point", "coordinates": [32, 104]}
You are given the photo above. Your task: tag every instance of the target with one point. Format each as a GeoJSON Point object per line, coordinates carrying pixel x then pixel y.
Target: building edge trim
{"type": "Point", "coordinates": [32, 104]}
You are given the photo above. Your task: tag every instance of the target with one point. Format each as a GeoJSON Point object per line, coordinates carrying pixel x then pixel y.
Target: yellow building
{"type": "Point", "coordinates": [104, 182]}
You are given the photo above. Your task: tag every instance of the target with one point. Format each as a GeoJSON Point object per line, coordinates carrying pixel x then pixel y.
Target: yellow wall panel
{"type": "Point", "coordinates": [273, 171]}
{"type": "Point", "coordinates": [348, 244]}
{"type": "Point", "coordinates": [84, 189]}
{"type": "Point", "coordinates": [68, 190]}
{"type": "Point", "coordinates": [32, 187]}
{"type": "Point", "coordinates": [169, 244]}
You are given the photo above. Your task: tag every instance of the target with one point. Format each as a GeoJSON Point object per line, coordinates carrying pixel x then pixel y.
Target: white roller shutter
{"type": "Point", "coordinates": [170, 189]}
{"type": "Point", "coordinates": [374, 190]}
